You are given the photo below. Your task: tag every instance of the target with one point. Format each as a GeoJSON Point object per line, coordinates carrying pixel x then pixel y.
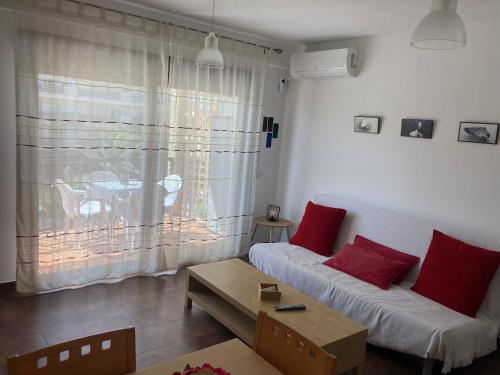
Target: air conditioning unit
{"type": "Point", "coordinates": [324, 64]}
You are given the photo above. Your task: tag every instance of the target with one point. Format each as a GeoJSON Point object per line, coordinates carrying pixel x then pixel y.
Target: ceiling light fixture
{"type": "Point", "coordinates": [210, 56]}
{"type": "Point", "coordinates": [441, 29]}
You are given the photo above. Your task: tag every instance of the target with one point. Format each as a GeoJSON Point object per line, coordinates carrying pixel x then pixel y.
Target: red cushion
{"type": "Point", "coordinates": [367, 266]}
{"type": "Point", "coordinates": [410, 260]}
{"type": "Point", "coordinates": [319, 228]}
{"type": "Point", "coordinates": [456, 274]}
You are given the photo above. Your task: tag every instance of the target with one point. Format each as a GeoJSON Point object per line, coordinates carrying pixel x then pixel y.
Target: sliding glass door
{"type": "Point", "coordinates": [131, 160]}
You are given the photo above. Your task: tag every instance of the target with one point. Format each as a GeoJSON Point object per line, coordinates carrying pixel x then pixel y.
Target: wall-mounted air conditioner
{"type": "Point", "coordinates": [319, 64]}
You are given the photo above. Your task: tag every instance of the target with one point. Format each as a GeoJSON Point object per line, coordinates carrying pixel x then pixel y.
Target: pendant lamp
{"type": "Point", "coordinates": [441, 29]}
{"type": "Point", "coordinates": [210, 56]}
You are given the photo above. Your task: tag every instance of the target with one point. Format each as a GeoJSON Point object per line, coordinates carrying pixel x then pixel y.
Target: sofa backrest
{"type": "Point", "coordinates": [401, 231]}
{"type": "Point", "coordinates": [410, 234]}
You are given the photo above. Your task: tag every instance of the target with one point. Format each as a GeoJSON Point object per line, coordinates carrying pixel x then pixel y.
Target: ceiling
{"type": "Point", "coordinates": [313, 21]}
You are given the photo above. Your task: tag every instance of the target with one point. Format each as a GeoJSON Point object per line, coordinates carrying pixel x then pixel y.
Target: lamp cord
{"type": "Point", "coordinates": [213, 15]}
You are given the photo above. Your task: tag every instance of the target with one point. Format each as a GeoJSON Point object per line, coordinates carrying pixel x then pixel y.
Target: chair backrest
{"type": "Point", "coordinates": [110, 353]}
{"type": "Point", "coordinates": [69, 199]}
{"type": "Point", "coordinates": [288, 351]}
{"type": "Point", "coordinates": [172, 184]}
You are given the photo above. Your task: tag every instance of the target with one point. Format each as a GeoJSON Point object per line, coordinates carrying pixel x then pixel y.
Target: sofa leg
{"type": "Point", "coordinates": [427, 367]}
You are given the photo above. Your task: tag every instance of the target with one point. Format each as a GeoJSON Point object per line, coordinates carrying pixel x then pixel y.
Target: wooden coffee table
{"type": "Point", "coordinates": [227, 290]}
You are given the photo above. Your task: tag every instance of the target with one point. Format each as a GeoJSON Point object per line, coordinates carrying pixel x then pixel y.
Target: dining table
{"type": "Point", "coordinates": [233, 356]}
{"type": "Point", "coordinates": [117, 189]}
{"type": "Point", "coordinates": [117, 186]}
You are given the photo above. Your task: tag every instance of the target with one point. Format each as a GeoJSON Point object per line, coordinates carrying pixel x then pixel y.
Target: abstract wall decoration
{"type": "Point", "coordinates": [271, 129]}
{"type": "Point", "coordinates": [270, 122]}
{"type": "Point", "coordinates": [367, 124]}
{"type": "Point", "coordinates": [478, 132]}
{"type": "Point", "coordinates": [275, 130]}
{"type": "Point", "coordinates": [416, 128]}
{"type": "Point", "coordinates": [269, 140]}
{"type": "Point", "coordinates": [264, 124]}
{"type": "Point", "coordinates": [267, 124]}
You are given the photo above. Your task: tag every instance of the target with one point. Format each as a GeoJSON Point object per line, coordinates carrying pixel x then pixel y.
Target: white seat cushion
{"type": "Point", "coordinates": [90, 208]}
{"type": "Point", "coordinates": [398, 319]}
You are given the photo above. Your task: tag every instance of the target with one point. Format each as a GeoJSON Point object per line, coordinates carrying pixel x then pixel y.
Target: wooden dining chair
{"type": "Point", "coordinates": [110, 353]}
{"type": "Point", "coordinates": [288, 351]}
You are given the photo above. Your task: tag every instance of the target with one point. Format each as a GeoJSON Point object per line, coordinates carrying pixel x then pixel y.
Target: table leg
{"type": "Point", "coordinates": [188, 302]}
{"type": "Point", "coordinates": [428, 366]}
{"type": "Point", "coordinates": [288, 233]}
{"type": "Point", "coordinates": [271, 235]}
{"type": "Point", "coordinates": [253, 233]}
{"type": "Point", "coordinates": [358, 370]}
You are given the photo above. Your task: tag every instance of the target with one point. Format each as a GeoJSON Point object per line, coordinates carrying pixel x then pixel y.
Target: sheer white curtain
{"type": "Point", "coordinates": [131, 160]}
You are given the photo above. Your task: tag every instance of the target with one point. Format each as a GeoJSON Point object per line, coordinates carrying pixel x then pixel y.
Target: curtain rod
{"type": "Point", "coordinates": [276, 50]}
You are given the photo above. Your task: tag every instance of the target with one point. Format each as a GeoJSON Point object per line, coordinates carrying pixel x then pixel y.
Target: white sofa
{"type": "Point", "coordinates": [399, 318]}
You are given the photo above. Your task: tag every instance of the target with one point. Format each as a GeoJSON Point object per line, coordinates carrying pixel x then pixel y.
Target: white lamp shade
{"type": "Point", "coordinates": [210, 56]}
{"type": "Point", "coordinates": [441, 29]}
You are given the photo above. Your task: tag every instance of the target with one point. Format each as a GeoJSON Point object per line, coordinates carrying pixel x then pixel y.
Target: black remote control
{"type": "Point", "coordinates": [299, 306]}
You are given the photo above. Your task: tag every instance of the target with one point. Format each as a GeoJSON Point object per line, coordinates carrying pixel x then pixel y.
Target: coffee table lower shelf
{"type": "Point", "coordinates": [228, 315]}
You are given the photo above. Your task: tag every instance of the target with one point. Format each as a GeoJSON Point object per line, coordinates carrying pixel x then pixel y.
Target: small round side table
{"type": "Point", "coordinates": [280, 224]}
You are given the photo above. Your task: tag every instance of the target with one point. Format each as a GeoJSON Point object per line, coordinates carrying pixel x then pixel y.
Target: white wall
{"type": "Point", "coordinates": [7, 149]}
{"type": "Point", "coordinates": [439, 178]}
{"type": "Point", "coordinates": [269, 158]}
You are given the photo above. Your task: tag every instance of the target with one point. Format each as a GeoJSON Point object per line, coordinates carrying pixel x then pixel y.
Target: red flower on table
{"type": "Point", "coordinates": [205, 369]}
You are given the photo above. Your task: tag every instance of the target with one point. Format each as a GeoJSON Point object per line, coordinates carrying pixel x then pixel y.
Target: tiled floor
{"type": "Point", "coordinates": [164, 329]}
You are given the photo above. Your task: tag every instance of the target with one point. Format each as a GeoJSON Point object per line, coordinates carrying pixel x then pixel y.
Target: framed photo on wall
{"type": "Point", "coordinates": [416, 128]}
{"type": "Point", "coordinates": [367, 124]}
{"type": "Point", "coordinates": [478, 132]}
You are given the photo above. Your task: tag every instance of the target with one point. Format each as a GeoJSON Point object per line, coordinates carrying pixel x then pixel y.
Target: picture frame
{"type": "Point", "coordinates": [417, 128]}
{"type": "Point", "coordinates": [367, 124]}
{"type": "Point", "coordinates": [478, 132]}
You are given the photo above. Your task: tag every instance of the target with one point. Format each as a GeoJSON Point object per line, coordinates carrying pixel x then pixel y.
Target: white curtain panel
{"type": "Point", "coordinates": [130, 159]}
